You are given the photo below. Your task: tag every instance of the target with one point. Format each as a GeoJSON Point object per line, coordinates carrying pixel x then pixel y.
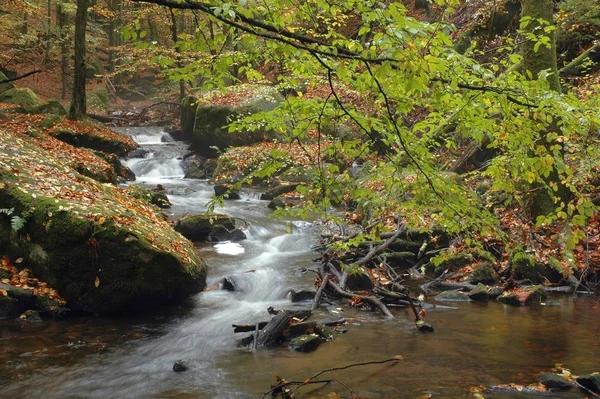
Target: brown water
{"type": "Point", "coordinates": [132, 356]}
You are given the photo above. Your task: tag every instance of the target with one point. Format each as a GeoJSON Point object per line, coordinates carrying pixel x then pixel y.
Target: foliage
{"type": "Point", "coordinates": [16, 222]}
{"type": "Point", "coordinates": [578, 23]}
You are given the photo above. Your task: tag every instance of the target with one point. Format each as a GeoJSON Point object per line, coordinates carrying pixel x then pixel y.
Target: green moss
{"type": "Point", "coordinates": [50, 107]}
{"type": "Point", "coordinates": [5, 86]}
{"type": "Point", "coordinates": [24, 97]}
{"type": "Point", "coordinates": [524, 266]}
{"type": "Point", "coordinates": [50, 120]}
{"type": "Point", "coordinates": [453, 262]}
{"type": "Point", "coordinates": [484, 273]}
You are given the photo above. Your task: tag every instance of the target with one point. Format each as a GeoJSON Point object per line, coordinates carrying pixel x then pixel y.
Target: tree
{"type": "Point", "coordinates": [418, 97]}
{"type": "Point", "coordinates": [78, 100]}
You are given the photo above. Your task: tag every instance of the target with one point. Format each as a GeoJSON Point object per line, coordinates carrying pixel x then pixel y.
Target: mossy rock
{"type": "Point", "coordinates": [23, 97]}
{"type": "Point", "coordinates": [5, 86]}
{"type": "Point", "coordinates": [211, 136]}
{"type": "Point", "coordinates": [484, 272]}
{"type": "Point", "coordinates": [555, 381]}
{"type": "Point", "coordinates": [226, 192]}
{"type": "Point", "coordinates": [401, 259]}
{"type": "Point", "coordinates": [91, 141]}
{"type": "Point", "coordinates": [452, 296]}
{"type": "Point", "coordinates": [188, 116]}
{"type": "Point", "coordinates": [305, 343]}
{"type": "Point", "coordinates": [277, 203]}
{"type": "Point", "coordinates": [523, 296]}
{"type": "Point", "coordinates": [98, 98]}
{"type": "Point", "coordinates": [50, 107]}
{"type": "Point", "coordinates": [453, 262]}
{"type": "Point", "coordinates": [50, 121]}
{"type": "Point", "coordinates": [277, 191]}
{"type": "Point", "coordinates": [198, 227]}
{"type": "Point", "coordinates": [524, 266]}
{"type": "Point", "coordinates": [101, 249]}
{"type": "Point", "coordinates": [479, 293]}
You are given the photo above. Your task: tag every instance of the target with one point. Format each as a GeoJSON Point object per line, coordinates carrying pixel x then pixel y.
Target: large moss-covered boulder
{"type": "Point", "coordinates": [5, 86]}
{"type": "Point", "coordinates": [51, 107]}
{"type": "Point", "coordinates": [216, 110]}
{"type": "Point", "coordinates": [101, 249]}
{"type": "Point", "coordinates": [23, 97]}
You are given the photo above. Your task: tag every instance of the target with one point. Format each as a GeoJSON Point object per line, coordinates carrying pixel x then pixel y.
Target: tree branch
{"type": "Point", "coordinates": [21, 77]}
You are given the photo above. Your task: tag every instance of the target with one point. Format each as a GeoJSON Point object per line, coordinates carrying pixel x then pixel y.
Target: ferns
{"type": "Point", "coordinates": [16, 222]}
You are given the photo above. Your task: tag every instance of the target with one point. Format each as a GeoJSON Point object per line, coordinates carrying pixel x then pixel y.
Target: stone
{"type": "Point", "coordinates": [210, 134]}
{"type": "Point", "coordinates": [194, 173]}
{"type": "Point", "coordinates": [305, 343]}
{"type": "Point", "coordinates": [453, 262]}
{"type": "Point", "coordinates": [590, 381]}
{"type": "Point", "coordinates": [452, 296]}
{"type": "Point", "coordinates": [139, 153]}
{"type": "Point", "coordinates": [325, 332]}
{"type": "Point", "coordinates": [483, 273]}
{"type": "Point", "coordinates": [277, 191]}
{"type": "Point", "coordinates": [555, 381]}
{"type": "Point", "coordinates": [302, 295]}
{"type": "Point", "coordinates": [495, 292]}
{"type": "Point", "coordinates": [224, 190]}
{"type": "Point", "coordinates": [227, 284]}
{"type": "Point", "coordinates": [23, 97]}
{"type": "Point", "coordinates": [199, 227]}
{"type": "Point", "coordinates": [51, 107]}
{"type": "Point", "coordinates": [523, 296]}
{"type": "Point", "coordinates": [160, 199]}
{"type": "Point", "coordinates": [180, 366]}
{"type": "Point", "coordinates": [31, 316]}
{"type": "Point", "coordinates": [221, 233]}
{"type": "Point", "coordinates": [479, 293]}
{"type": "Point", "coordinates": [276, 203]}
{"type": "Point", "coordinates": [5, 86]}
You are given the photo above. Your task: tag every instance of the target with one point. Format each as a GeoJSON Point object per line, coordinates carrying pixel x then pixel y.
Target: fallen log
{"type": "Point", "coordinates": [272, 333]}
{"type": "Point", "coordinates": [238, 328]}
{"type": "Point", "coordinates": [317, 298]}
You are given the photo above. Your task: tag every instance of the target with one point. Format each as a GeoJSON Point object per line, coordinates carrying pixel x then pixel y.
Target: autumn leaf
{"type": "Point", "coordinates": [3, 292]}
{"type": "Point", "coordinates": [97, 282]}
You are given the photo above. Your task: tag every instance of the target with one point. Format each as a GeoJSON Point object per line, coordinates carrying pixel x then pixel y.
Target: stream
{"type": "Point", "coordinates": [132, 355]}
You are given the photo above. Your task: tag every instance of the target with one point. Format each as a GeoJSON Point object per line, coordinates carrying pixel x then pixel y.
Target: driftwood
{"type": "Point", "coordinates": [238, 328]}
{"type": "Point", "coordinates": [368, 299]}
{"type": "Point", "coordinates": [317, 298]}
{"type": "Point", "coordinates": [272, 332]}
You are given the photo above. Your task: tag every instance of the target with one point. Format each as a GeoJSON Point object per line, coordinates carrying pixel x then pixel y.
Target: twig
{"type": "Point", "coordinates": [370, 299]}
{"type": "Point", "coordinates": [309, 379]}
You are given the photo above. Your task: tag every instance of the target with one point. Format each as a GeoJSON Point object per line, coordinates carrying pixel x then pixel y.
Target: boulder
{"type": "Point", "coordinates": [479, 293]}
{"type": "Point", "coordinates": [221, 233]}
{"type": "Point", "coordinates": [452, 296]}
{"type": "Point", "coordinates": [23, 97]}
{"type": "Point", "coordinates": [93, 142]}
{"type": "Point", "coordinates": [591, 382]}
{"type": "Point", "coordinates": [226, 191]}
{"type": "Point", "coordinates": [305, 343]}
{"type": "Point", "coordinates": [495, 292]}
{"type": "Point", "coordinates": [277, 203]}
{"type": "Point", "coordinates": [31, 316]}
{"type": "Point", "coordinates": [199, 227]}
{"type": "Point", "coordinates": [211, 136]}
{"type": "Point", "coordinates": [275, 192]}
{"type": "Point", "coordinates": [101, 249]}
{"type": "Point", "coordinates": [302, 295]}
{"type": "Point", "coordinates": [15, 301]}
{"type": "Point", "coordinates": [523, 296]}
{"type": "Point", "coordinates": [180, 366]}
{"type": "Point", "coordinates": [555, 381]}
{"type": "Point", "coordinates": [5, 86]}
{"type": "Point", "coordinates": [483, 273]}
{"type": "Point", "coordinates": [52, 107]}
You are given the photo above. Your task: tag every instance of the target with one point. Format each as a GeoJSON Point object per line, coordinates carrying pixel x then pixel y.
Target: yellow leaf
{"type": "Point", "coordinates": [101, 220]}
{"type": "Point", "coordinates": [19, 260]}
{"type": "Point", "coordinates": [97, 282]}
{"type": "Point", "coordinates": [3, 293]}
{"type": "Point", "coordinates": [2, 185]}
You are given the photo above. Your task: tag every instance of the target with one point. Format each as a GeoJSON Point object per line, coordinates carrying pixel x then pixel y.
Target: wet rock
{"type": "Point", "coordinates": [524, 267]}
{"type": "Point", "coordinates": [479, 293]}
{"type": "Point", "coordinates": [555, 381]}
{"type": "Point", "coordinates": [523, 296]}
{"type": "Point", "coordinates": [225, 190]}
{"type": "Point", "coordinates": [305, 343]}
{"type": "Point", "coordinates": [300, 329]}
{"type": "Point", "coordinates": [302, 295]}
{"type": "Point", "coordinates": [591, 382]}
{"type": "Point", "coordinates": [277, 203]}
{"type": "Point", "coordinates": [401, 259]}
{"type": "Point", "coordinates": [325, 332]}
{"type": "Point", "coordinates": [227, 284]}
{"type": "Point", "coordinates": [277, 191]}
{"type": "Point", "coordinates": [180, 366]}
{"type": "Point", "coordinates": [359, 282]}
{"type": "Point", "coordinates": [139, 153]}
{"type": "Point", "coordinates": [195, 173]}
{"type": "Point", "coordinates": [31, 316]}
{"type": "Point", "coordinates": [160, 199]}
{"type": "Point", "coordinates": [198, 227]}
{"type": "Point", "coordinates": [484, 273]}
{"type": "Point", "coordinates": [452, 296]}
{"type": "Point", "coordinates": [453, 262]}
{"type": "Point", "coordinates": [221, 233]}
{"type": "Point", "coordinates": [495, 292]}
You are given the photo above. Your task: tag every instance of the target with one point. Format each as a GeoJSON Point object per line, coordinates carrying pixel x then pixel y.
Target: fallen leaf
{"type": "Point", "coordinates": [97, 282]}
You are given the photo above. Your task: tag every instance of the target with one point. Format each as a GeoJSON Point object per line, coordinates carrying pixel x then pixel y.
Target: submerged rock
{"type": "Point", "coordinates": [479, 293]}
{"type": "Point", "coordinates": [523, 296]}
{"type": "Point", "coordinates": [452, 296]}
{"type": "Point", "coordinates": [305, 343]}
{"type": "Point", "coordinates": [554, 381]}
{"type": "Point", "coordinates": [226, 191]}
{"type": "Point", "coordinates": [221, 233]}
{"type": "Point", "coordinates": [31, 316]}
{"type": "Point", "coordinates": [591, 382]}
{"type": "Point", "coordinates": [180, 366]}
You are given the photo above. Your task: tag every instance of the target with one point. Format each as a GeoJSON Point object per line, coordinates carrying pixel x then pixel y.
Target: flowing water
{"type": "Point", "coordinates": [131, 356]}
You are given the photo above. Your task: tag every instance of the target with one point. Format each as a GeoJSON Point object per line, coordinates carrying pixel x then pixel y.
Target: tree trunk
{"type": "Point", "coordinates": [48, 25]}
{"type": "Point", "coordinates": [78, 102]}
{"type": "Point", "coordinates": [175, 38]}
{"type": "Point", "coordinates": [62, 21]}
{"type": "Point", "coordinates": [534, 62]}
